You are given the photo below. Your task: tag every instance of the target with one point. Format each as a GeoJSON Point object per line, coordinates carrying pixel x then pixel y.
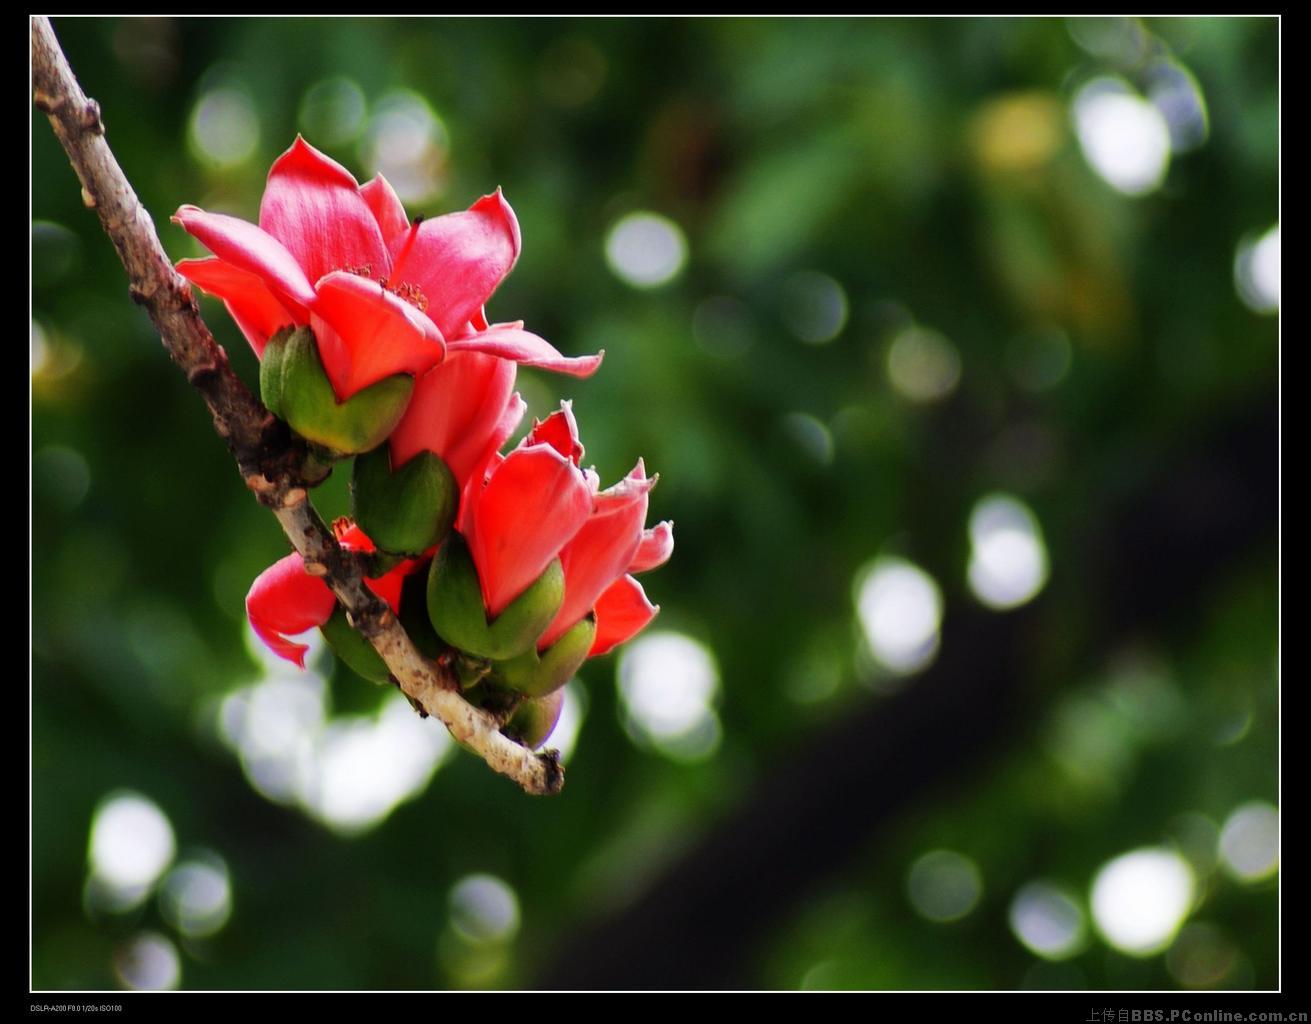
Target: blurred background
{"type": "Point", "coordinates": [955, 344]}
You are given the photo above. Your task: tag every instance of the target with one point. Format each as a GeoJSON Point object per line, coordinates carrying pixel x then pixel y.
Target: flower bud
{"type": "Point", "coordinates": [295, 388]}
{"type": "Point", "coordinates": [356, 652]}
{"type": "Point", "coordinates": [536, 675]}
{"type": "Point", "coordinates": [455, 605]}
{"type": "Point", "coordinates": [404, 511]}
{"type": "Point", "coordinates": [533, 721]}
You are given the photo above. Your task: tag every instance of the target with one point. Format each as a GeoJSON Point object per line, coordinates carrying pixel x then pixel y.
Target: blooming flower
{"type": "Point", "coordinates": [286, 600]}
{"type": "Point", "coordinates": [611, 544]}
{"type": "Point", "coordinates": [519, 513]}
{"type": "Point", "coordinates": [552, 554]}
{"type": "Point", "coordinates": [382, 295]}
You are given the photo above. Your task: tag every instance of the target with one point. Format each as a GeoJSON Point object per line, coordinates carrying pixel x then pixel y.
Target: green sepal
{"type": "Point", "coordinates": [534, 720]}
{"type": "Point", "coordinates": [406, 511]}
{"type": "Point", "coordinates": [536, 675]}
{"type": "Point", "coordinates": [455, 605]}
{"type": "Point", "coordinates": [303, 397]}
{"type": "Point", "coordinates": [356, 652]}
{"type": "Point", "coordinates": [270, 371]}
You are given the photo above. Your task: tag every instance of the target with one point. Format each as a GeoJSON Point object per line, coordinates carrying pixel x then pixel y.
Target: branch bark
{"type": "Point", "coordinates": [273, 463]}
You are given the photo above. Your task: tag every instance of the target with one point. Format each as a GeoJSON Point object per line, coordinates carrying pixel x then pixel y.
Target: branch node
{"type": "Point", "coordinates": [48, 104]}
{"type": "Point", "coordinates": [90, 118]}
{"type": "Point", "coordinates": [142, 293]}
{"type": "Point", "coordinates": [197, 376]}
{"type": "Point", "coordinates": [88, 200]}
{"type": "Point", "coordinates": [294, 496]}
{"type": "Point", "coordinates": [316, 568]}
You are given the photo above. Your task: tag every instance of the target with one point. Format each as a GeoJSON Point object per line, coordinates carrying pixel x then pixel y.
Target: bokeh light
{"type": "Point", "coordinates": [1249, 841]}
{"type": "Point", "coordinates": [811, 436]}
{"type": "Point", "coordinates": [196, 897]}
{"type": "Point", "coordinates": [1140, 899]}
{"type": "Point", "coordinates": [1048, 920]}
{"type": "Point", "coordinates": [668, 687]}
{"type": "Point", "coordinates": [131, 845]}
{"type": "Point", "coordinates": [1008, 559]}
{"type": "Point", "coordinates": [484, 909]}
{"type": "Point", "coordinates": [63, 474]}
{"type": "Point", "coordinates": [923, 365]}
{"type": "Point", "coordinates": [332, 111]}
{"type": "Point", "coordinates": [348, 772]}
{"type": "Point", "coordinates": [900, 610]}
{"type": "Point", "coordinates": [406, 142]}
{"type": "Point", "coordinates": [944, 886]}
{"type": "Point", "coordinates": [814, 307]}
{"type": "Point", "coordinates": [645, 249]}
{"type": "Point", "coordinates": [224, 130]}
{"type": "Point", "coordinates": [149, 962]}
{"type": "Point", "coordinates": [1123, 136]}
{"type": "Point", "coordinates": [1177, 95]}
{"type": "Point", "coordinates": [1256, 272]}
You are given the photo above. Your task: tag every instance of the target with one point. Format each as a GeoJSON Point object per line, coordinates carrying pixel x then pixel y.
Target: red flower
{"type": "Point", "coordinates": [610, 544]}
{"type": "Point", "coordinates": [382, 295]}
{"type": "Point", "coordinates": [520, 509]}
{"type": "Point", "coordinates": [286, 600]}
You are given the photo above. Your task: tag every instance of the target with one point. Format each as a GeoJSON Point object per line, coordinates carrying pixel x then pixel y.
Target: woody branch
{"type": "Point", "coordinates": [273, 463]}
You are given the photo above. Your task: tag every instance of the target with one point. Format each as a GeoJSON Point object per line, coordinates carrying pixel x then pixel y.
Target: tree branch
{"type": "Point", "coordinates": [275, 465]}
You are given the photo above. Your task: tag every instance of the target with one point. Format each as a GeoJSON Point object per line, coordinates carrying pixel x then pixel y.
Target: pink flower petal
{"type": "Point", "coordinates": [654, 550]}
{"type": "Point", "coordinates": [313, 206]}
{"type": "Point", "coordinates": [533, 504]}
{"type": "Point", "coordinates": [285, 599]}
{"type": "Point", "coordinates": [456, 409]}
{"type": "Point", "coordinates": [366, 333]}
{"type": "Point", "coordinates": [255, 309]}
{"type": "Point", "coordinates": [621, 613]}
{"type": "Point", "coordinates": [473, 487]}
{"type": "Point", "coordinates": [387, 209]}
{"type": "Point", "coordinates": [459, 259]}
{"type": "Point", "coordinates": [511, 341]}
{"type": "Point", "coordinates": [246, 247]}
{"type": "Point", "coordinates": [601, 551]}
{"type": "Point", "coordinates": [560, 431]}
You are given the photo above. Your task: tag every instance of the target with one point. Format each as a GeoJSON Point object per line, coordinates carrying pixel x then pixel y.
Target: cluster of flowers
{"type": "Point", "coordinates": [373, 343]}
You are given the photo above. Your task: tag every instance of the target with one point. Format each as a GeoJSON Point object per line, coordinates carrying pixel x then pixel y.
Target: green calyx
{"type": "Point", "coordinates": [536, 675]}
{"type": "Point", "coordinates": [357, 653]}
{"type": "Point", "coordinates": [534, 720]}
{"type": "Point", "coordinates": [455, 606]}
{"type": "Point", "coordinates": [295, 388]}
{"type": "Point", "coordinates": [406, 511]}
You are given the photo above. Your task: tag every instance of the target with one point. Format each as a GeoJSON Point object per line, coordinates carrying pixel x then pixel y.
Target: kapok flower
{"type": "Point", "coordinates": [382, 295]}
{"type": "Point", "coordinates": [286, 600]}
{"type": "Point", "coordinates": [519, 515]}
{"type": "Point", "coordinates": [578, 598]}
{"type": "Point", "coordinates": [610, 545]}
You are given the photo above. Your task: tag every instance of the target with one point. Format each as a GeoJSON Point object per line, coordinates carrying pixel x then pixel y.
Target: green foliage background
{"type": "Point", "coordinates": [858, 149]}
